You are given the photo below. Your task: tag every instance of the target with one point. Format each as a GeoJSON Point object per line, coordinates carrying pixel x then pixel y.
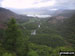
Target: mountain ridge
{"type": "Point", "coordinates": [6, 14]}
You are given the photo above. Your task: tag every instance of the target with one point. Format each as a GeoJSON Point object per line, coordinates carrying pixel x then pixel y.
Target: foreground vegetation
{"type": "Point", "coordinates": [16, 39]}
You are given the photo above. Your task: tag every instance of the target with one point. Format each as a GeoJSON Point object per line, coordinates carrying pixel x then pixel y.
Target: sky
{"type": "Point", "coordinates": [24, 4]}
{"type": "Point", "coordinates": [18, 5]}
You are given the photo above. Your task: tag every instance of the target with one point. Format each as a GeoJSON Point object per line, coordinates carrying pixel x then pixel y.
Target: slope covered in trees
{"type": "Point", "coordinates": [13, 43]}
{"type": "Point", "coordinates": [16, 40]}
{"type": "Point", "coordinates": [67, 30]}
{"type": "Point", "coordinates": [50, 36]}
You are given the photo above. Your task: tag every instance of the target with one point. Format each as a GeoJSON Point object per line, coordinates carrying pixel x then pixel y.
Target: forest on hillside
{"type": "Point", "coordinates": [37, 37]}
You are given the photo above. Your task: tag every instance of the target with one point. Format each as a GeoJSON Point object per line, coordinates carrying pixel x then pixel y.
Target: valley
{"type": "Point", "coordinates": [34, 36]}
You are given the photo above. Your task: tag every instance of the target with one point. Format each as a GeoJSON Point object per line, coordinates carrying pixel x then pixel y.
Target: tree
{"type": "Point", "coordinates": [12, 33]}
{"type": "Point", "coordinates": [33, 53]}
{"type": "Point", "coordinates": [68, 30]}
{"type": "Point", "coordinates": [14, 40]}
{"type": "Point", "coordinates": [22, 46]}
{"type": "Point", "coordinates": [8, 54]}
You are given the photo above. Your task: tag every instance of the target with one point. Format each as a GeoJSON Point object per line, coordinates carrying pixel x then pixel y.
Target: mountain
{"type": "Point", "coordinates": [65, 13]}
{"type": "Point", "coordinates": [43, 11]}
{"type": "Point", "coordinates": [60, 15]}
{"type": "Point", "coordinates": [34, 11]}
{"type": "Point", "coordinates": [6, 14]}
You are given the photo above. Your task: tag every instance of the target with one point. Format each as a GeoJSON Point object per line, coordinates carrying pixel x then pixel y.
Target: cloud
{"type": "Point", "coordinates": [53, 9]}
{"type": "Point", "coordinates": [0, 2]}
{"type": "Point", "coordinates": [17, 3]}
{"type": "Point", "coordinates": [63, 4]}
{"type": "Point", "coordinates": [49, 4]}
{"type": "Point", "coordinates": [20, 4]}
{"type": "Point", "coordinates": [66, 4]}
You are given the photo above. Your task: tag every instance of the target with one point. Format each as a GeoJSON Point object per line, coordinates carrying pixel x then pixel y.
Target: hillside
{"type": "Point", "coordinates": [36, 36]}
{"type": "Point", "coordinates": [6, 14]}
{"type": "Point", "coordinates": [60, 15]}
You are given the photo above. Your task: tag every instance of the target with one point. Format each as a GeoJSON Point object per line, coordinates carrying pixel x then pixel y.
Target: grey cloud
{"type": "Point", "coordinates": [64, 4]}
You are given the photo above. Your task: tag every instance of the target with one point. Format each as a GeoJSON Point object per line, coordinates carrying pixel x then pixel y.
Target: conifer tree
{"type": "Point", "coordinates": [14, 40]}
